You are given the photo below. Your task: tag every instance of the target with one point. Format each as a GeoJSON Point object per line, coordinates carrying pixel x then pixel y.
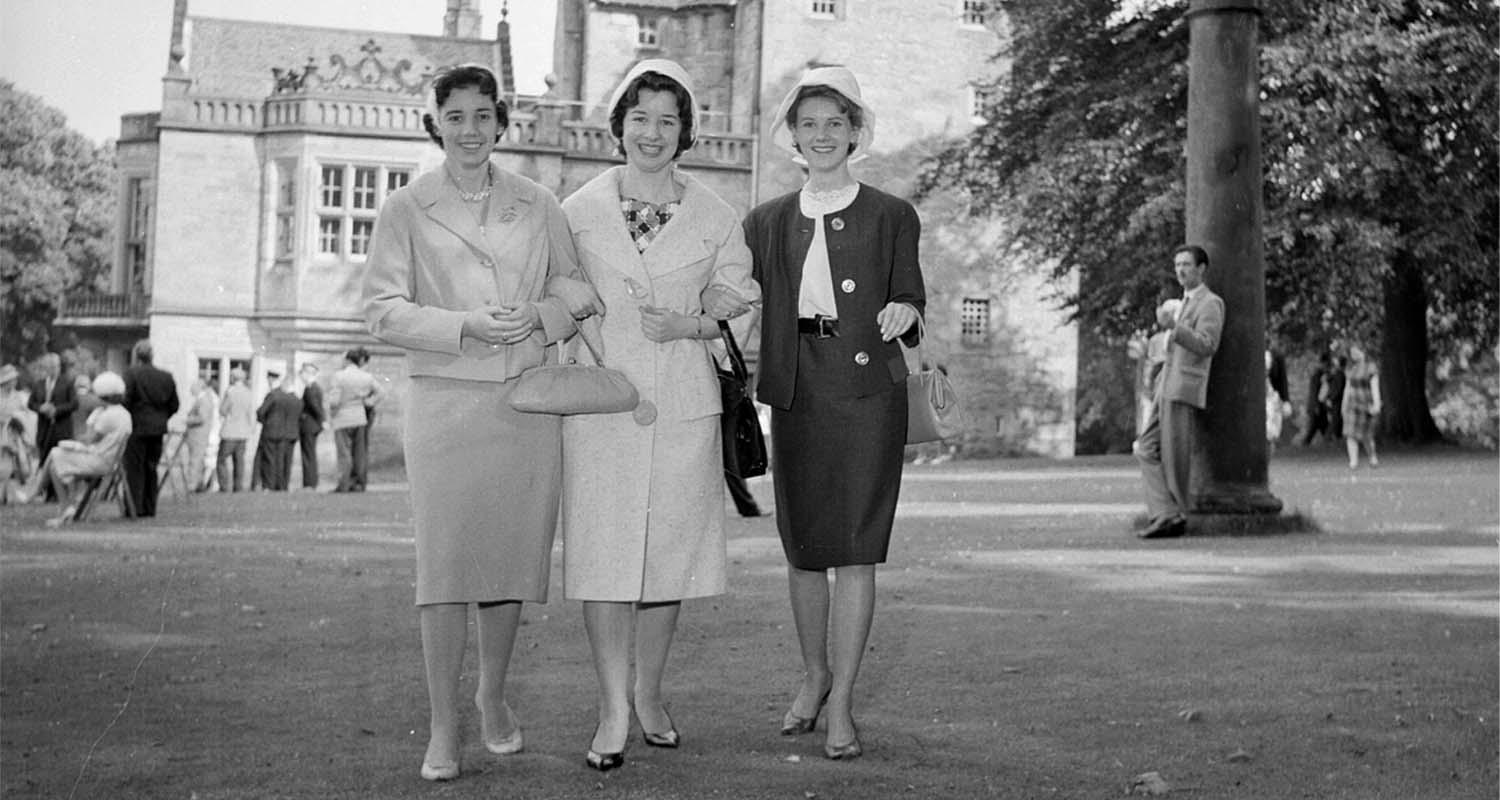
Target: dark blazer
{"type": "Point", "coordinates": [313, 413]}
{"type": "Point", "coordinates": [279, 414]}
{"type": "Point", "coordinates": [872, 255]}
{"type": "Point", "coordinates": [151, 399]}
{"type": "Point", "coordinates": [65, 401]}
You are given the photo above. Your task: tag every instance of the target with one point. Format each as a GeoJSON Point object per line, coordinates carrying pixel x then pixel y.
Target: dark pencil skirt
{"type": "Point", "coordinates": [836, 465]}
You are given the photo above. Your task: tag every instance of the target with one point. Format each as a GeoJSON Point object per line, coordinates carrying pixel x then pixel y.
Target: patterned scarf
{"type": "Point", "coordinates": [645, 220]}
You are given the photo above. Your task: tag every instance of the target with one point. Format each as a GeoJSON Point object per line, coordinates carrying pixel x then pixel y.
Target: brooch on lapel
{"type": "Point", "coordinates": [509, 214]}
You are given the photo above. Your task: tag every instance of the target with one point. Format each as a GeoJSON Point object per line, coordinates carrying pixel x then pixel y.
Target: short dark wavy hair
{"type": "Point", "coordinates": [656, 82]}
{"type": "Point", "coordinates": [1200, 256]}
{"type": "Point", "coordinates": [461, 77]}
{"type": "Point", "coordinates": [850, 108]}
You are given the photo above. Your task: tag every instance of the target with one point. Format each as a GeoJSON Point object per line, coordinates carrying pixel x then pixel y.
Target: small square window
{"type": "Point", "coordinates": [331, 190]}
{"type": "Point", "coordinates": [975, 12]}
{"type": "Point", "coordinates": [974, 320]}
{"type": "Point", "coordinates": [827, 9]}
{"type": "Point", "coordinates": [364, 188]}
{"type": "Point", "coordinates": [981, 100]}
{"type": "Point", "coordinates": [330, 235]}
{"type": "Point", "coordinates": [359, 236]}
{"type": "Point", "coordinates": [395, 179]}
{"type": "Point", "coordinates": [647, 31]}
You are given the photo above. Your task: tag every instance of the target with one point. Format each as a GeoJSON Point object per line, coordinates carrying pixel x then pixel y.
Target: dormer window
{"type": "Point", "coordinates": [974, 13]}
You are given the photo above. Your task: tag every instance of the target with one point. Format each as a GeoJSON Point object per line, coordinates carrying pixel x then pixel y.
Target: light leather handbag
{"type": "Point", "coordinates": [572, 388]}
{"type": "Point", "coordinates": [931, 404]}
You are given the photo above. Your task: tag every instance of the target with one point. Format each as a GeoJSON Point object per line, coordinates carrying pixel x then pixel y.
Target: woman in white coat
{"type": "Point", "coordinates": [643, 493]}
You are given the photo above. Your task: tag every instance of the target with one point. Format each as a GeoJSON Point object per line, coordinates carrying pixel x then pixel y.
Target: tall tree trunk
{"type": "Point", "coordinates": [1403, 361]}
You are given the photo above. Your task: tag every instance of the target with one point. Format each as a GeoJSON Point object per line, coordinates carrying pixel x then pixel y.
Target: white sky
{"type": "Point", "coordinates": [97, 59]}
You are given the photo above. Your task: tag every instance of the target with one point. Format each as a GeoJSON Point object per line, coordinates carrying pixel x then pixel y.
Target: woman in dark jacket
{"type": "Point", "coordinates": [840, 282]}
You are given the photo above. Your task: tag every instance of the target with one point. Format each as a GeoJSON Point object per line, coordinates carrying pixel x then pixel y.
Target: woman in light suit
{"type": "Point", "coordinates": [643, 497]}
{"type": "Point", "coordinates": [467, 273]}
{"type": "Point", "coordinates": [837, 263]}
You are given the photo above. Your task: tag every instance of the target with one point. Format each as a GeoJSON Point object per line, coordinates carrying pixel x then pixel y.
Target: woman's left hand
{"type": "Point", "coordinates": [895, 319]}
{"type": "Point", "coordinates": [517, 322]}
{"type": "Point", "coordinates": [660, 325]}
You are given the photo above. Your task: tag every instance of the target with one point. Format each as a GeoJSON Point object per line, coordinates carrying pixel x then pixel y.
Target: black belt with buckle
{"type": "Point", "coordinates": [822, 326]}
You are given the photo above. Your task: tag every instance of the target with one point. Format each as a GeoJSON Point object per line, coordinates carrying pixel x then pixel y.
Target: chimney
{"type": "Point", "coordinates": [462, 20]}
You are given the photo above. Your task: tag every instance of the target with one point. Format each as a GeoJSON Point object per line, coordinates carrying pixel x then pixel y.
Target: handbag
{"type": "Point", "coordinates": [931, 404]}
{"type": "Point", "coordinates": [572, 388]}
{"type": "Point", "coordinates": [744, 444]}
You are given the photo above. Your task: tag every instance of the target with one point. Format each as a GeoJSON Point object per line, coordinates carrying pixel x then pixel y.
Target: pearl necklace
{"type": "Point", "coordinates": [482, 194]}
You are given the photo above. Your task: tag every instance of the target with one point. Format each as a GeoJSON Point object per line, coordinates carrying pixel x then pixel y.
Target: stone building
{"type": "Point", "coordinates": [248, 199]}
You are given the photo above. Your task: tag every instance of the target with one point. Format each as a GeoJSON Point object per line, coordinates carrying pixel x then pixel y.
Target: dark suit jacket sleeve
{"type": "Point", "coordinates": [906, 270]}
{"type": "Point", "coordinates": [64, 396]}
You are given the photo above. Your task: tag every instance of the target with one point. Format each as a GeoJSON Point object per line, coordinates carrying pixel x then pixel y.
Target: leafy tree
{"type": "Point", "coordinates": [1379, 132]}
{"type": "Point", "coordinates": [57, 219]}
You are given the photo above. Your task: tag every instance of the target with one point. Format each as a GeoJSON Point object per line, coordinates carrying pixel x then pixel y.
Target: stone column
{"type": "Point", "coordinates": [1224, 213]}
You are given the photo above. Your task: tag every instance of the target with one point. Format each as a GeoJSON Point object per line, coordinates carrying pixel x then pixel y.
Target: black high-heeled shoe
{"type": "Point", "coordinates": [604, 762]}
{"type": "Point", "coordinates": [793, 725]}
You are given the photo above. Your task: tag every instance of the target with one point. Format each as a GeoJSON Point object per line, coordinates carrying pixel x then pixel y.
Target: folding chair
{"type": "Point", "coordinates": [173, 466]}
{"type": "Point", "coordinates": [100, 488]}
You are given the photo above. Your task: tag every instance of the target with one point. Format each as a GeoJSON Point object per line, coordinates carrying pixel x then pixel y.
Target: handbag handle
{"type": "Point", "coordinates": [736, 358]}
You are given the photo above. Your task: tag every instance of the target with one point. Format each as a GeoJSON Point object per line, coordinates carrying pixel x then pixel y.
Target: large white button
{"type": "Point", "coordinates": [847, 285]}
{"type": "Point", "coordinates": [836, 223]}
{"type": "Point", "coordinates": [861, 358]}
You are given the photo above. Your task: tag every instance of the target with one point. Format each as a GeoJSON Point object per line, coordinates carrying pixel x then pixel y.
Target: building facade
{"type": "Point", "coordinates": [249, 198]}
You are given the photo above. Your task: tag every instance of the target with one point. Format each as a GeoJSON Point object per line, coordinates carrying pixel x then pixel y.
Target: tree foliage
{"type": "Point", "coordinates": [57, 218]}
{"type": "Point", "coordinates": [1379, 148]}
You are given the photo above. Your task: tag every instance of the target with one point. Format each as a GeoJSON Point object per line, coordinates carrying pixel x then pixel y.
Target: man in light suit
{"type": "Point", "coordinates": [1165, 447]}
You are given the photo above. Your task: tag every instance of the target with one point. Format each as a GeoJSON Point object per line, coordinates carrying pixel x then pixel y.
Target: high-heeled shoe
{"type": "Point", "coordinates": [604, 762]}
{"type": "Point", "coordinates": [793, 725]}
{"type": "Point", "coordinates": [510, 744]}
{"type": "Point", "coordinates": [843, 752]}
{"type": "Point", "coordinates": [439, 772]}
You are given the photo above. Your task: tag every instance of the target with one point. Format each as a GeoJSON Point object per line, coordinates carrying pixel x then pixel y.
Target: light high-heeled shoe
{"type": "Point", "coordinates": [793, 725]}
{"type": "Point", "coordinates": [604, 762]}
{"type": "Point", "coordinates": [844, 752]}
{"type": "Point", "coordinates": [439, 772]}
{"type": "Point", "coordinates": [510, 744]}
{"type": "Point", "coordinates": [670, 740]}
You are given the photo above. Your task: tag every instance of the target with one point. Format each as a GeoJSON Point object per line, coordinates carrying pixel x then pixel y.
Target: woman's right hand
{"type": "Point", "coordinates": [484, 326]}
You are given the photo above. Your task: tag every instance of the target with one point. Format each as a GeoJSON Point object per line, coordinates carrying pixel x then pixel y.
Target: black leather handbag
{"type": "Point", "coordinates": [744, 444]}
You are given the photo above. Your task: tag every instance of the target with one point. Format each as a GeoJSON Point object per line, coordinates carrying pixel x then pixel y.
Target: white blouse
{"type": "Point", "coordinates": [815, 295]}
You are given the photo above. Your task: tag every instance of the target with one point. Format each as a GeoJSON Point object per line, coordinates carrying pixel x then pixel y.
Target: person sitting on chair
{"type": "Point", "coordinates": [95, 455]}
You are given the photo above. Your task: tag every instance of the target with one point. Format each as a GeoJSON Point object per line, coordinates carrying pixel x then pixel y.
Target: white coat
{"type": "Point", "coordinates": [643, 505]}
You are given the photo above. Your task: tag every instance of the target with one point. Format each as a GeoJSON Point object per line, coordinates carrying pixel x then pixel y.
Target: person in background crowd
{"type": "Point", "coordinates": [1318, 421]}
{"type": "Point", "coordinates": [17, 434]}
{"type": "Point", "coordinates": [200, 424]}
{"type": "Point", "coordinates": [353, 392]}
{"type": "Point", "coordinates": [279, 416]}
{"type": "Point", "coordinates": [151, 399]}
{"type": "Point", "coordinates": [93, 455]}
{"type": "Point", "coordinates": [1165, 448]}
{"type": "Point", "coordinates": [237, 422]}
{"type": "Point", "coordinates": [838, 267]}
{"type": "Point", "coordinates": [53, 399]}
{"type": "Point", "coordinates": [83, 389]}
{"type": "Point", "coordinates": [310, 424]}
{"type": "Point", "coordinates": [1360, 406]}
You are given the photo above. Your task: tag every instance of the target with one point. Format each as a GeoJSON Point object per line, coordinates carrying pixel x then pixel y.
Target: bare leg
{"type": "Point", "coordinates": [1370, 449]}
{"type": "Point", "coordinates": [497, 624]}
{"type": "Point", "coordinates": [444, 631]}
{"type": "Point", "coordinates": [853, 613]}
{"type": "Point", "coordinates": [809, 593]}
{"type": "Point", "coordinates": [1352, 446]}
{"type": "Point", "coordinates": [609, 628]}
{"type": "Point", "coordinates": [655, 623]}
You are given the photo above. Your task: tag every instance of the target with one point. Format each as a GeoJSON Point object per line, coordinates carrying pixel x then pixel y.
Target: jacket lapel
{"type": "Point", "coordinates": [681, 240]}
{"type": "Point", "coordinates": [602, 220]}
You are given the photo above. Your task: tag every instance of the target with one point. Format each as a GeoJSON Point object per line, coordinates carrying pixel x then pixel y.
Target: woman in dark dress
{"type": "Point", "coordinates": [837, 264]}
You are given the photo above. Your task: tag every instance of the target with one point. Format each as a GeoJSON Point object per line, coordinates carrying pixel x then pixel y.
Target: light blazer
{"type": "Point", "coordinates": [1190, 349]}
{"type": "Point", "coordinates": [872, 257]}
{"type": "Point", "coordinates": [702, 246]}
{"type": "Point", "coordinates": [430, 266]}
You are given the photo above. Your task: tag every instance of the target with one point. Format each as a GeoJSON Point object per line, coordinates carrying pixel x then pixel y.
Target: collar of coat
{"type": "Point", "coordinates": [511, 199]}
{"type": "Point", "coordinates": [691, 235]}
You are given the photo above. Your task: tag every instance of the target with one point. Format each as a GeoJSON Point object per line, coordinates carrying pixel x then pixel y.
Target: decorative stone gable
{"type": "Point", "coordinates": [366, 73]}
